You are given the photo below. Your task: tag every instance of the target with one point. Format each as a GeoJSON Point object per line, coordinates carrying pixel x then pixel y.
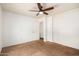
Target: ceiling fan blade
{"type": "Point", "coordinates": [37, 14]}
{"type": "Point", "coordinates": [45, 13]}
{"type": "Point", "coordinates": [47, 9]}
{"type": "Point", "coordinates": [39, 6]}
{"type": "Point", "coordinates": [34, 10]}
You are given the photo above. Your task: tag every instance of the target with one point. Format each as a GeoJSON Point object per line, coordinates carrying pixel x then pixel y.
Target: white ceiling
{"type": "Point", "coordinates": [23, 8]}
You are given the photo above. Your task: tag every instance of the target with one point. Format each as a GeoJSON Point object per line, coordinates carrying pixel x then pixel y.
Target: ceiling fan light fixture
{"type": "Point", "coordinates": [40, 12]}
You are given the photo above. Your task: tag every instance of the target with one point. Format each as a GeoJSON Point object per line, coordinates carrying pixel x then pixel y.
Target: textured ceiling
{"type": "Point", "coordinates": [23, 8]}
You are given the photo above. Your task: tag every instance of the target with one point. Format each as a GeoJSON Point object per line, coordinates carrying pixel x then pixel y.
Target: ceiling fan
{"type": "Point", "coordinates": [41, 10]}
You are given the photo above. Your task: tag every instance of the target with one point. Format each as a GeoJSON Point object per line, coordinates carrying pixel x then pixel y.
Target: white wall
{"type": "Point", "coordinates": [0, 29]}
{"type": "Point", "coordinates": [65, 28]}
{"type": "Point", "coordinates": [19, 29]}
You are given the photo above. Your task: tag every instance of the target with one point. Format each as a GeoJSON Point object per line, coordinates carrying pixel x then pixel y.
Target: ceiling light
{"type": "Point", "coordinates": [40, 12]}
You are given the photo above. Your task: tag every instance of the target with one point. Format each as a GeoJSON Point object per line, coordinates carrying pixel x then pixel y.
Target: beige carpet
{"type": "Point", "coordinates": [39, 48]}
